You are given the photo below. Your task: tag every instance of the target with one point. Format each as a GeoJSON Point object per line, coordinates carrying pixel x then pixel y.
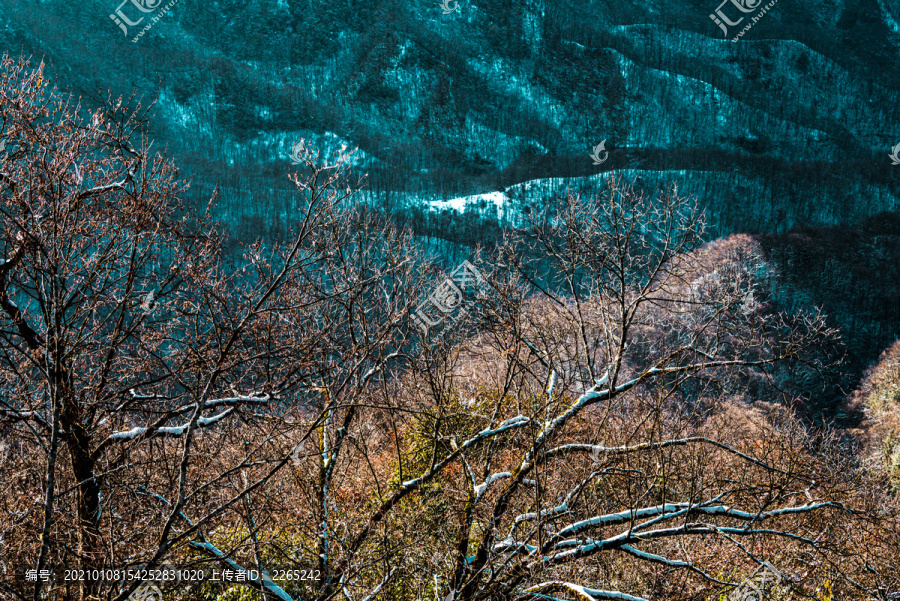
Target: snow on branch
{"type": "Point", "coordinates": [159, 430]}
{"type": "Point", "coordinates": [378, 368]}
{"type": "Point", "coordinates": [232, 401]}
{"type": "Point", "coordinates": [672, 563]}
{"type": "Point", "coordinates": [620, 517]}
{"type": "Point", "coordinates": [559, 509]}
{"type": "Point", "coordinates": [510, 424]}
{"type": "Point", "coordinates": [481, 488]}
{"type": "Point", "coordinates": [576, 548]}
{"type": "Point", "coordinates": [18, 415]}
{"type": "Point", "coordinates": [673, 510]}
{"type": "Point", "coordinates": [581, 593]}
{"type": "Point", "coordinates": [168, 431]}
{"type": "Point", "coordinates": [380, 586]}
{"type": "Point", "coordinates": [410, 485]}
{"type": "Point", "coordinates": [119, 185]}
{"type": "Point", "coordinates": [264, 583]}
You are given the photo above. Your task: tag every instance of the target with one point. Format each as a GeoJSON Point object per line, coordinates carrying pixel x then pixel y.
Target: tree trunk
{"type": "Point", "coordinates": [90, 545]}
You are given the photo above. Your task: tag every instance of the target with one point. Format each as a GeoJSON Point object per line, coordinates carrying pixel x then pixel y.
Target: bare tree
{"type": "Point", "coordinates": [137, 366]}
{"type": "Point", "coordinates": [624, 322]}
{"type": "Point", "coordinates": [585, 445]}
{"type": "Point", "coordinates": [577, 435]}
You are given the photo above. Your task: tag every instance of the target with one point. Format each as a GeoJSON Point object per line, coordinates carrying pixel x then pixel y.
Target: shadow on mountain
{"type": "Point", "coordinates": [853, 276]}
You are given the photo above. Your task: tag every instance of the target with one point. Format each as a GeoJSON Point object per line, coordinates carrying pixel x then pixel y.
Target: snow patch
{"type": "Point", "coordinates": [460, 204]}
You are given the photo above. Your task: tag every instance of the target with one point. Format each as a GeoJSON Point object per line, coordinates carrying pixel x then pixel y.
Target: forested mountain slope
{"type": "Point", "coordinates": [789, 126]}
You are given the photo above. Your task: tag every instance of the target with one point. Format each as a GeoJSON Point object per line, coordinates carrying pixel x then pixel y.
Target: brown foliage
{"type": "Point", "coordinates": [581, 433]}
